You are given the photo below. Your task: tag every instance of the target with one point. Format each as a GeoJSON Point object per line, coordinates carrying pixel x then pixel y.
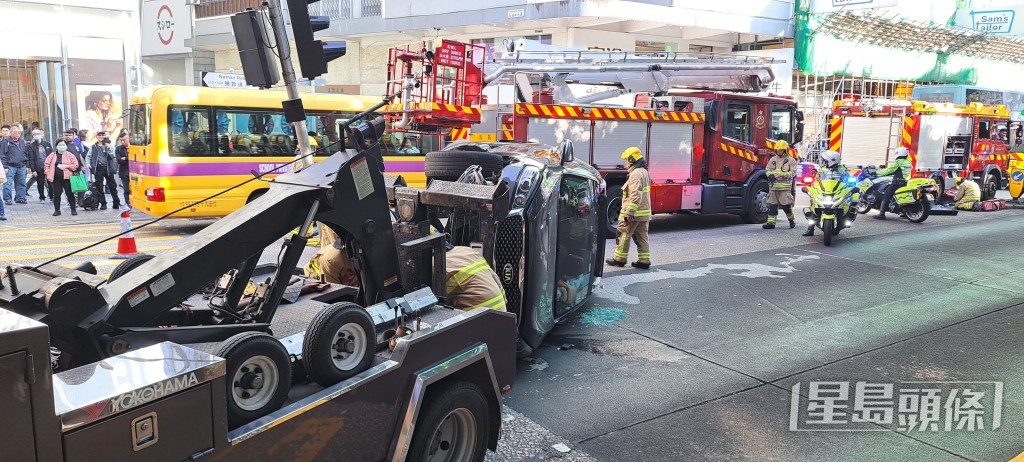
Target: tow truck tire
{"type": "Point", "coordinates": [258, 376]}
{"type": "Point", "coordinates": [989, 187]}
{"type": "Point", "coordinates": [614, 195]}
{"type": "Point", "coordinates": [449, 165]}
{"type": "Point", "coordinates": [124, 267]}
{"type": "Point", "coordinates": [453, 425]}
{"type": "Point", "coordinates": [340, 343]}
{"type": "Point", "coordinates": [756, 210]}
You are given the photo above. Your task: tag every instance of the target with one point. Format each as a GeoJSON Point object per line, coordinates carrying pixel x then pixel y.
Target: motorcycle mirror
{"type": "Point", "coordinates": [804, 189]}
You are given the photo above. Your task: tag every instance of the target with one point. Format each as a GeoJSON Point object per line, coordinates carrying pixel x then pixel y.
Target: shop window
{"type": "Point", "coordinates": [737, 122]}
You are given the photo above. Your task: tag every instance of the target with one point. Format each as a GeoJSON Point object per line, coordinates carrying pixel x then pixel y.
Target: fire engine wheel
{"type": "Point", "coordinates": [258, 376]}
{"type": "Point", "coordinates": [339, 343]}
{"type": "Point", "coordinates": [124, 267]}
{"type": "Point", "coordinates": [756, 209]}
{"type": "Point", "coordinates": [988, 190]}
{"type": "Point", "coordinates": [918, 213]}
{"type": "Point", "coordinates": [454, 425]}
{"type": "Point", "coordinates": [449, 165]}
{"type": "Point", "coordinates": [614, 207]}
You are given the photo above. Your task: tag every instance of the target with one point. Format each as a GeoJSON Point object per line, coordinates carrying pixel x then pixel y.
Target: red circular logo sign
{"type": "Point", "coordinates": [164, 24]}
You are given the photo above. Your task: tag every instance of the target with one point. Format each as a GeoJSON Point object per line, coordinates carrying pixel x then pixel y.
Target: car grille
{"type": "Point", "coordinates": [508, 253]}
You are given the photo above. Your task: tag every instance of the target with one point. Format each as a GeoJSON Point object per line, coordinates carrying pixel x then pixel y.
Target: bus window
{"type": "Point", "coordinates": [190, 132]}
{"type": "Point", "coordinates": [254, 132]}
{"type": "Point", "coordinates": [782, 123]}
{"type": "Point", "coordinates": [138, 125]}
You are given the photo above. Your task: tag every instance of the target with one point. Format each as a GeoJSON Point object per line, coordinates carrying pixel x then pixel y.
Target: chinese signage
{"type": "Point", "coordinates": [165, 26]}
{"type": "Point", "coordinates": [221, 80]}
{"type": "Point", "coordinates": [906, 406]}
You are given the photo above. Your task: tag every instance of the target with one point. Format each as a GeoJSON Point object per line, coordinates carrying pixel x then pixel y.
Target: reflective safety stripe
{"type": "Point", "coordinates": [642, 213]}
{"type": "Point", "coordinates": [772, 219]}
{"type": "Point", "coordinates": [643, 255]}
{"type": "Point", "coordinates": [633, 207]}
{"type": "Point", "coordinates": [464, 274]}
{"type": "Point", "coordinates": [646, 189]}
{"type": "Point", "coordinates": [497, 302]}
{"type": "Point", "coordinates": [315, 267]}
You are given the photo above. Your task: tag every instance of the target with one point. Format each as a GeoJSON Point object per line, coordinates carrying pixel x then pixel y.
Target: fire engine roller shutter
{"type": "Point", "coordinates": [865, 140]}
{"type": "Point", "coordinates": [934, 134]}
{"type": "Point", "coordinates": [671, 152]}
{"type": "Point", "coordinates": [553, 131]}
{"type": "Point", "coordinates": [613, 137]}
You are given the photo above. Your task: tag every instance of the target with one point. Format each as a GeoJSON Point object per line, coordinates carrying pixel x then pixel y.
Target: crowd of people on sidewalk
{"type": "Point", "coordinates": [84, 173]}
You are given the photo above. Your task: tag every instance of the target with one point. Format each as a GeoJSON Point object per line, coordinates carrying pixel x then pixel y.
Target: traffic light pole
{"type": "Point", "coordinates": [284, 51]}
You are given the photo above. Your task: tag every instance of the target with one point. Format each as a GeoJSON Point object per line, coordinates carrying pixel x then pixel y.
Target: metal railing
{"type": "Point", "coordinates": [334, 9]}
{"type": "Point", "coordinates": [214, 8]}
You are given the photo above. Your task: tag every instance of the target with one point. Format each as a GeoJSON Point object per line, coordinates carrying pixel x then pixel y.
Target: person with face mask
{"type": "Point", "coordinates": [74, 147]}
{"type": "Point", "coordinates": [37, 152]}
{"type": "Point", "coordinates": [103, 164]}
{"type": "Point", "coordinates": [12, 154]}
{"type": "Point", "coordinates": [58, 167]}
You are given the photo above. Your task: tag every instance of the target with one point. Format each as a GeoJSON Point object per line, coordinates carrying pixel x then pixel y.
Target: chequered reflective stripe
{"type": "Point", "coordinates": [437, 107]}
{"type": "Point", "coordinates": [598, 113]}
{"type": "Point", "coordinates": [459, 133]}
{"type": "Point", "coordinates": [835, 135]}
{"type": "Point", "coordinates": [506, 132]}
{"type": "Point", "coordinates": [747, 155]}
{"type": "Point", "coordinates": [1018, 156]}
{"type": "Point", "coordinates": [908, 128]}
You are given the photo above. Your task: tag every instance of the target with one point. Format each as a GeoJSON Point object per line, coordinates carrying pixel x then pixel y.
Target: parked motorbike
{"type": "Point", "coordinates": [912, 201]}
{"type": "Point", "coordinates": [833, 197]}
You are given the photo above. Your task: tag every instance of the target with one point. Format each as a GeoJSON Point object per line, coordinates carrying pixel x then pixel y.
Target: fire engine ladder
{"type": "Point", "coordinates": [655, 72]}
{"type": "Point", "coordinates": [895, 131]}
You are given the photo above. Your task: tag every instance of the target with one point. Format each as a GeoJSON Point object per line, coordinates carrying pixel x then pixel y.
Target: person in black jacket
{"type": "Point", "coordinates": [36, 152]}
{"type": "Point", "coordinates": [12, 153]}
{"type": "Point", "coordinates": [122, 165]}
{"type": "Point", "coordinates": [103, 164]}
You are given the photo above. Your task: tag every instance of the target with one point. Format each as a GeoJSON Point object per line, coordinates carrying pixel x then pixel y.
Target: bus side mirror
{"type": "Point", "coordinates": [711, 110]}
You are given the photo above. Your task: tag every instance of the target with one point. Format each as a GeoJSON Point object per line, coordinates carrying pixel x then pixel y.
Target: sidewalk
{"type": "Point", "coordinates": [37, 214]}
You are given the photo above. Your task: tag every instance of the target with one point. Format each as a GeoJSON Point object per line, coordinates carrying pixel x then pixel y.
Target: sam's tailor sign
{"type": "Point", "coordinates": [165, 26]}
{"type": "Point", "coordinates": [1000, 21]}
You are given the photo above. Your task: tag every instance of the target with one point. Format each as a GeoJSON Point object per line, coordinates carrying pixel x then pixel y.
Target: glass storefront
{"type": "Point", "coordinates": [33, 94]}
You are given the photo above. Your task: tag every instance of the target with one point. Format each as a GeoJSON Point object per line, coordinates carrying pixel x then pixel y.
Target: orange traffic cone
{"type": "Point", "coordinates": [126, 243]}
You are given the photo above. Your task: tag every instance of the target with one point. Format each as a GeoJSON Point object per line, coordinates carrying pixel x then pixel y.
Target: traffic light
{"type": "Point", "coordinates": [313, 54]}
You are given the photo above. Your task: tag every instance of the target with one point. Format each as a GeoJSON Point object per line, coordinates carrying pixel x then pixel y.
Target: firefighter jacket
{"type": "Point", "coordinates": [783, 169]}
{"type": "Point", "coordinates": [968, 191]}
{"type": "Point", "coordinates": [471, 283]}
{"type": "Point", "coordinates": [331, 262]}
{"type": "Point", "coordinates": [902, 164]}
{"type": "Point", "coordinates": [636, 195]}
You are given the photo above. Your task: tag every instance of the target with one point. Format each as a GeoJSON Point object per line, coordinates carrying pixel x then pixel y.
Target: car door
{"type": "Point", "coordinates": [578, 242]}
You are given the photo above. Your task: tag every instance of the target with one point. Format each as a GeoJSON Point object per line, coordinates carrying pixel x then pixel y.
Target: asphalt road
{"type": "Point", "coordinates": [712, 355]}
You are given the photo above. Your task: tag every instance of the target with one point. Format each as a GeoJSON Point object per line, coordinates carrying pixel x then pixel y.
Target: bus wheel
{"type": "Point", "coordinates": [756, 208]}
{"type": "Point", "coordinates": [340, 343]}
{"type": "Point", "coordinates": [258, 375]}
{"type": "Point", "coordinates": [614, 208]}
{"type": "Point", "coordinates": [453, 426]}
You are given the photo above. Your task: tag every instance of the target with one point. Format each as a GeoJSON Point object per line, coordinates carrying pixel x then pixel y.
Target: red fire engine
{"type": "Point", "coordinates": [706, 150]}
{"type": "Point", "coordinates": [945, 140]}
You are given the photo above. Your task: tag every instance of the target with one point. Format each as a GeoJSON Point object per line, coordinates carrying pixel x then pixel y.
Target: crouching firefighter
{"type": "Point", "coordinates": [968, 193]}
{"type": "Point", "coordinates": [900, 171]}
{"type": "Point", "coordinates": [471, 283]}
{"type": "Point", "coordinates": [331, 263]}
{"type": "Point", "coordinates": [780, 169]}
{"type": "Point", "coordinates": [636, 212]}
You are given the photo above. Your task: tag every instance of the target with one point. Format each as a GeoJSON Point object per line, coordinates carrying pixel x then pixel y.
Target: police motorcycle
{"type": "Point", "coordinates": [912, 201]}
{"type": "Point", "coordinates": [833, 198]}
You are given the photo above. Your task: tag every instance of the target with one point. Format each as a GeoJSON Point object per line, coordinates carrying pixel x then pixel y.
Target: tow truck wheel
{"type": "Point", "coordinates": [989, 188]}
{"type": "Point", "coordinates": [614, 207]}
{"type": "Point", "coordinates": [339, 343]}
{"type": "Point", "coordinates": [258, 376]}
{"type": "Point", "coordinates": [124, 267]}
{"type": "Point", "coordinates": [454, 425]}
{"type": "Point", "coordinates": [756, 209]}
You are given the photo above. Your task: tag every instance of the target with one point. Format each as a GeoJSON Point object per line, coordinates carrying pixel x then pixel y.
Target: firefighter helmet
{"type": "Point", "coordinates": [830, 159]}
{"type": "Point", "coordinates": [902, 152]}
{"type": "Point", "coordinates": [957, 181]}
{"type": "Point", "coordinates": [632, 155]}
{"type": "Point", "coordinates": [781, 145]}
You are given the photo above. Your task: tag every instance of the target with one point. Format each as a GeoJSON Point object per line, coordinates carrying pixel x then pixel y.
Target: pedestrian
{"type": "Point", "coordinates": [3, 180]}
{"type": "Point", "coordinates": [968, 193]}
{"type": "Point", "coordinates": [37, 151]}
{"type": "Point", "coordinates": [59, 166]}
{"type": "Point", "coordinates": [103, 165]}
{"type": "Point", "coordinates": [73, 143]}
{"type": "Point", "coordinates": [780, 169]}
{"type": "Point", "coordinates": [12, 153]}
{"type": "Point", "coordinates": [122, 165]}
{"type": "Point", "coordinates": [5, 132]}
{"type": "Point", "coordinates": [79, 136]}
{"type": "Point", "coordinates": [635, 216]}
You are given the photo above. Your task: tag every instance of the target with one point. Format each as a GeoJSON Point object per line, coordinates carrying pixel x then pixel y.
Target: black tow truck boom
{"type": "Point", "coordinates": [143, 375]}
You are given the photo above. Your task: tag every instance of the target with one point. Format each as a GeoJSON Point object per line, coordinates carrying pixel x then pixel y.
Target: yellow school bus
{"type": "Point", "coordinates": [188, 143]}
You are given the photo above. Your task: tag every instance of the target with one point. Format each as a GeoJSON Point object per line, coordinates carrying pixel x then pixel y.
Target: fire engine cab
{"type": "Point", "coordinates": [706, 147]}
{"type": "Point", "coordinates": [945, 140]}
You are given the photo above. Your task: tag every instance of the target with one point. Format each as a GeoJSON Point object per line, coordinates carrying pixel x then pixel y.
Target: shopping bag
{"type": "Point", "coordinates": [78, 183]}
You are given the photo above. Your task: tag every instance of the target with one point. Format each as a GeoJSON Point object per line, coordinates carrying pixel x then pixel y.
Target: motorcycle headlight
{"type": "Point", "coordinates": [827, 201]}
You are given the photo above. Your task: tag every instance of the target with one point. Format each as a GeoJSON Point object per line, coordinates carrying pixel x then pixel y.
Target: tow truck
{"type": "Point", "coordinates": [706, 148]}
{"type": "Point", "coordinates": [135, 368]}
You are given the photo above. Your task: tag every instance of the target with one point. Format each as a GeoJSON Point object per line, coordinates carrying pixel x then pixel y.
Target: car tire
{"type": "Point", "coordinates": [126, 266]}
{"type": "Point", "coordinates": [450, 165]}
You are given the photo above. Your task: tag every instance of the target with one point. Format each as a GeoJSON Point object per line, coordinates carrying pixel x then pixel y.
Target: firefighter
{"type": "Point", "coordinates": [471, 283]}
{"type": "Point", "coordinates": [331, 263]}
{"type": "Point", "coordinates": [968, 193]}
{"type": "Point", "coordinates": [636, 212]}
{"type": "Point", "coordinates": [781, 169]}
{"type": "Point", "coordinates": [831, 161]}
{"type": "Point", "coordinates": [900, 171]}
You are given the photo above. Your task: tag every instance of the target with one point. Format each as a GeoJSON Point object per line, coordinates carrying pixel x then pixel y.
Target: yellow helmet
{"type": "Point", "coordinates": [632, 154]}
{"type": "Point", "coordinates": [957, 181]}
{"type": "Point", "coordinates": [781, 145]}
